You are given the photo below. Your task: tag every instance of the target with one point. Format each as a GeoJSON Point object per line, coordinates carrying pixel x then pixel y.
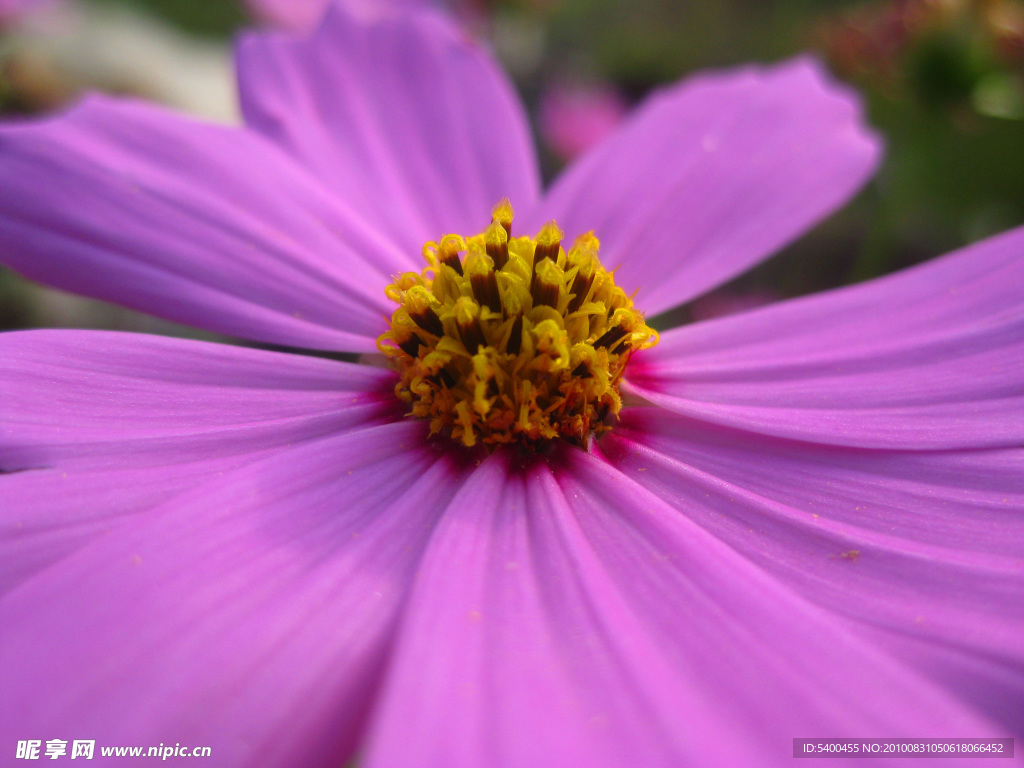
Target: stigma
{"type": "Point", "coordinates": [512, 340]}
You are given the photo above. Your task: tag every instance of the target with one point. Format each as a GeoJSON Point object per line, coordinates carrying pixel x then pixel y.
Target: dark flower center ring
{"type": "Point", "coordinates": [512, 340]}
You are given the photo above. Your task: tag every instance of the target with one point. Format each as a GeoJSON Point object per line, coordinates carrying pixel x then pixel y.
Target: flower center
{"type": "Point", "coordinates": [505, 339]}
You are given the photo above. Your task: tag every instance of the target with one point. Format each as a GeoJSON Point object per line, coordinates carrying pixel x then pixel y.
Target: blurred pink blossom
{"type": "Point", "coordinates": [289, 14]}
{"type": "Point", "coordinates": [574, 118]}
{"type": "Point", "coordinates": [9, 9]}
{"type": "Point", "coordinates": [303, 15]}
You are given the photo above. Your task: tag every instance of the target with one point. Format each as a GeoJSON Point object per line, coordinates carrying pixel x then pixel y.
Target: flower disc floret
{"type": "Point", "coordinates": [503, 339]}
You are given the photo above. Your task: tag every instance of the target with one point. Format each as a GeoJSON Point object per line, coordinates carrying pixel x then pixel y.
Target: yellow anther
{"type": "Point", "coordinates": [448, 251]}
{"type": "Point", "coordinates": [586, 242]}
{"type": "Point", "coordinates": [552, 346]}
{"type": "Point", "coordinates": [586, 265]}
{"type": "Point", "coordinates": [496, 239]}
{"type": "Point", "coordinates": [477, 263]}
{"type": "Point", "coordinates": [466, 311]}
{"type": "Point", "coordinates": [549, 240]}
{"type": "Point", "coordinates": [547, 286]}
{"type": "Point", "coordinates": [506, 340]}
{"type": "Point", "coordinates": [419, 304]}
{"type": "Point", "coordinates": [403, 334]}
{"type": "Point", "coordinates": [502, 214]}
{"type": "Point", "coordinates": [482, 281]}
{"type": "Point", "coordinates": [402, 283]}
{"type": "Point", "coordinates": [467, 317]}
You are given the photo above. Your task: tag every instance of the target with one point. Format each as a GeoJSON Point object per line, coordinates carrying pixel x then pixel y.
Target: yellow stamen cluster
{"type": "Point", "coordinates": [505, 339]}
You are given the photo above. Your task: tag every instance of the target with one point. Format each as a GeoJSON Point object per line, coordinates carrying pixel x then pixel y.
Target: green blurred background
{"type": "Point", "coordinates": [943, 82]}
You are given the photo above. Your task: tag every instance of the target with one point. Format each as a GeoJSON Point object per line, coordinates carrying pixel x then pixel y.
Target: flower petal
{"type": "Point", "coordinates": [929, 358]}
{"type": "Point", "coordinates": [920, 551]}
{"type": "Point", "coordinates": [562, 615]}
{"type": "Point", "coordinates": [714, 175]}
{"type": "Point", "coordinates": [96, 427]}
{"type": "Point", "coordinates": [252, 616]}
{"type": "Point", "coordinates": [202, 224]}
{"type": "Point", "coordinates": [402, 114]}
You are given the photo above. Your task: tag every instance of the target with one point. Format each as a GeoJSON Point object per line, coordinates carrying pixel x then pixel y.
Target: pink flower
{"type": "Point", "coordinates": [807, 522]}
{"type": "Point", "coordinates": [304, 15]}
{"type": "Point", "coordinates": [575, 118]}
{"type": "Point", "coordinates": [12, 9]}
{"type": "Point", "coordinates": [288, 14]}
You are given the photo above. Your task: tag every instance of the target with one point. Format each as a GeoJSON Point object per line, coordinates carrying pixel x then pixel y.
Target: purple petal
{"type": "Point", "coordinates": [202, 224]}
{"type": "Point", "coordinates": [563, 615]}
{"type": "Point", "coordinates": [251, 616]}
{"type": "Point", "coordinates": [402, 115]}
{"type": "Point", "coordinates": [920, 551]}
{"type": "Point", "coordinates": [930, 358]}
{"type": "Point", "coordinates": [713, 175]}
{"type": "Point", "coordinates": [97, 427]}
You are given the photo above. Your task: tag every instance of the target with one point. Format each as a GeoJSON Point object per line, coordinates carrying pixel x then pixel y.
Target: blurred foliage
{"type": "Point", "coordinates": [213, 18]}
{"type": "Point", "coordinates": [943, 82]}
